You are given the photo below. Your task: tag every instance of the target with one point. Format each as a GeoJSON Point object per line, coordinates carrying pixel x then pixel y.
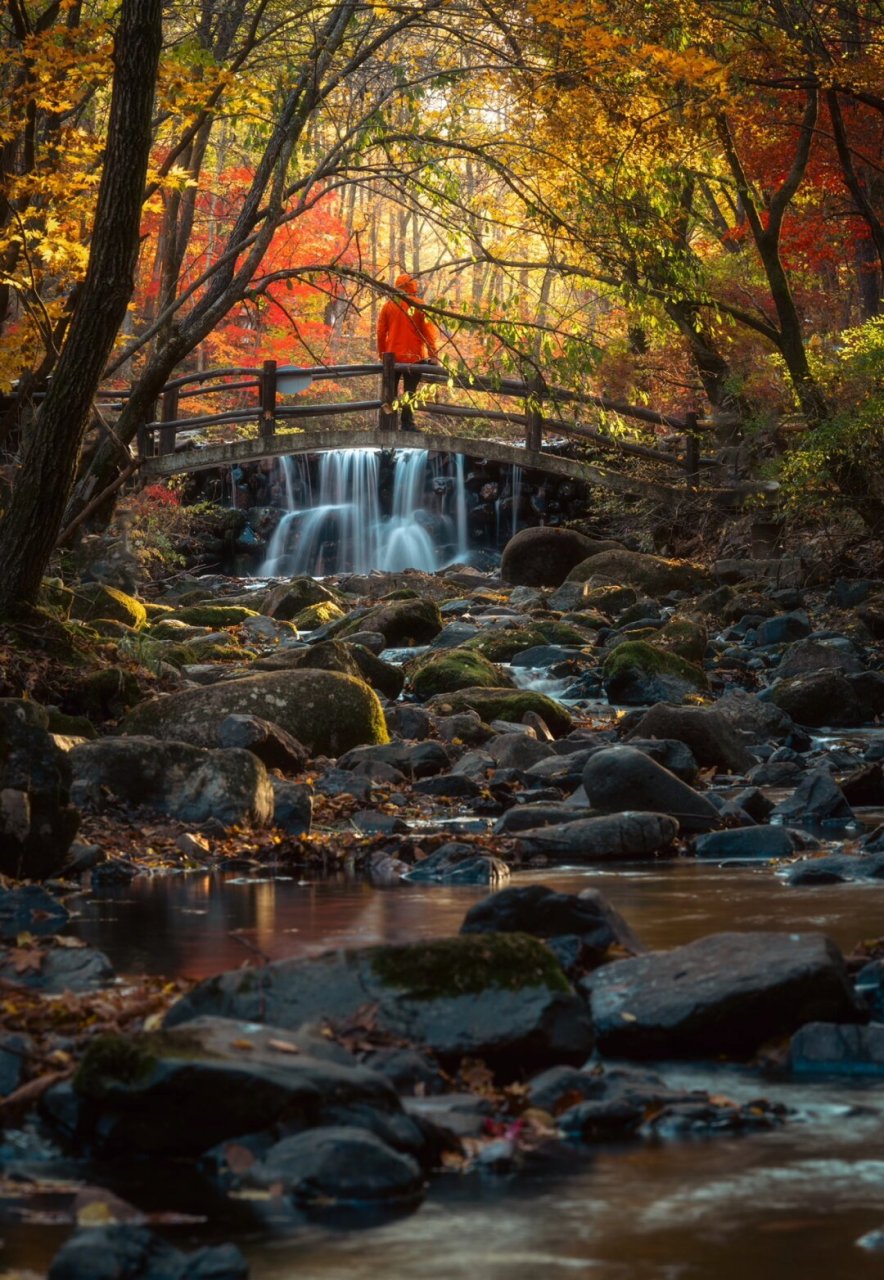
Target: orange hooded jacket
{"type": "Point", "coordinates": [405, 330]}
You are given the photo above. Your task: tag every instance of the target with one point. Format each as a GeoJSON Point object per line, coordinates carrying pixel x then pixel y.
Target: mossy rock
{"type": "Point", "coordinates": [105, 694]}
{"type": "Point", "coordinates": [286, 600]}
{"type": "Point", "coordinates": [401, 593]}
{"type": "Point", "coordinates": [214, 615]}
{"type": "Point", "coordinates": [111, 1062]}
{"type": "Point", "coordinates": [449, 967]}
{"type": "Point", "coordinates": [111, 628]}
{"type": "Point", "coordinates": [653, 574]}
{"type": "Point", "coordinates": [177, 655]}
{"type": "Point", "coordinates": [70, 726]}
{"type": "Point", "coordinates": [611, 600]}
{"type": "Point", "coordinates": [222, 652]}
{"type": "Point", "coordinates": [155, 611]}
{"type": "Point", "coordinates": [317, 615]}
{"type": "Point", "coordinates": [685, 636]}
{"type": "Point", "coordinates": [591, 619]}
{"type": "Point", "coordinates": [94, 600]}
{"type": "Point", "coordinates": [400, 622]}
{"type": "Point", "coordinates": [454, 669]}
{"type": "Point", "coordinates": [334, 655]}
{"type": "Point", "coordinates": [174, 629]}
{"type": "Point", "coordinates": [327, 711]}
{"type": "Point", "coordinates": [501, 645]}
{"type": "Point", "coordinates": [504, 704]}
{"type": "Point", "coordinates": [638, 674]}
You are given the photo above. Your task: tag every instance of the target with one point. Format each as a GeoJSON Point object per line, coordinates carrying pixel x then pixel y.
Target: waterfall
{"type": "Point", "coordinates": [344, 530]}
{"type": "Point", "coordinates": [462, 546]}
{"type": "Point", "coordinates": [516, 494]}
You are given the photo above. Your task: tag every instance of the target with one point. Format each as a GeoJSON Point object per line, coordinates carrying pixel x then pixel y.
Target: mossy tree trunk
{"type": "Point", "coordinates": [30, 527]}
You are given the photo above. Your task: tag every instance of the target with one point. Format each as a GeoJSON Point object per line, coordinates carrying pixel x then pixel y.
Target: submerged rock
{"type": "Point", "coordinates": [724, 994]}
{"type": "Point", "coordinates": [502, 997]}
{"type": "Point", "coordinates": [456, 863]}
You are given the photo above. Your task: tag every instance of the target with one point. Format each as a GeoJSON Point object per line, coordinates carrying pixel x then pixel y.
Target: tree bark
{"type": "Point", "coordinates": [30, 527]}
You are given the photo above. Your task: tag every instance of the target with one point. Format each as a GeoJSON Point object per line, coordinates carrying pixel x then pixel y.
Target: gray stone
{"type": "Point", "coordinates": [275, 748]}
{"type": "Point", "coordinates": [126, 1251]}
{"type": "Point", "coordinates": [518, 750]}
{"type": "Point", "coordinates": [724, 994]}
{"type": "Point", "coordinates": [292, 807]}
{"type": "Point", "coordinates": [818, 699]}
{"type": "Point", "coordinates": [344, 1166]}
{"type": "Point", "coordinates": [610, 838]}
{"type": "Point", "coordinates": [621, 778]}
{"type": "Point", "coordinates": [782, 629]}
{"type": "Point", "coordinates": [813, 654]}
{"type": "Point", "coordinates": [829, 1048]}
{"type": "Point", "coordinates": [37, 822]}
{"type": "Point", "coordinates": [709, 734]}
{"type": "Point", "coordinates": [184, 781]}
{"type": "Point", "coordinates": [457, 863]}
{"type": "Point", "coordinates": [817, 798]}
{"type": "Point", "coordinates": [745, 842]}
{"type": "Point", "coordinates": [673, 755]}
{"type": "Point", "coordinates": [30, 909]}
{"type": "Point", "coordinates": [527, 817]}
{"type": "Point", "coordinates": [502, 998]}
{"type": "Point", "coordinates": [59, 969]}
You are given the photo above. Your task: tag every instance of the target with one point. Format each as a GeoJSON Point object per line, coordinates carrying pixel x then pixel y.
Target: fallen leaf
{"type": "Point", "coordinates": [67, 940]}
{"type": "Point", "coordinates": [284, 1046]}
{"type": "Point", "coordinates": [238, 1157]}
{"type": "Point", "coordinates": [241, 1044]}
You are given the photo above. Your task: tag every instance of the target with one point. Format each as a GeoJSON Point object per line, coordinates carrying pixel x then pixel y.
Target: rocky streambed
{"type": "Point", "coordinates": [494, 1020]}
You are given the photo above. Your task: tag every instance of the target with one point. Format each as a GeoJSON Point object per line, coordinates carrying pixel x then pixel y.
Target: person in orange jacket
{"type": "Point", "coordinates": [404, 330]}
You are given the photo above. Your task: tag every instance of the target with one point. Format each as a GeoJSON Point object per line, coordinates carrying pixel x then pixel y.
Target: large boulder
{"type": "Point", "coordinates": [543, 557]}
{"type": "Point", "coordinates": [37, 822]}
{"type": "Point", "coordinates": [128, 1251]}
{"type": "Point", "coordinates": [334, 655]}
{"type": "Point", "coordinates": [724, 994]}
{"type": "Point", "coordinates": [287, 599]}
{"type": "Point", "coordinates": [652, 574]}
{"type": "Point", "coordinates": [708, 733]}
{"type": "Point", "coordinates": [186, 782]}
{"type": "Point", "coordinates": [182, 1090]}
{"type": "Point", "coordinates": [94, 600]}
{"type": "Point", "coordinates": [501, 998]}
{"type": "Point", "coordinates": [326, 711]}
{"type": "Point", "coordinates": [400, 622]}
{"type": "Point", "coordinates": [619, 837]}
{"type": "Point", "coordinates": [503, 704]}
{"type": "Point", "coordinates": [637, 673]}
{"type": "Point", "coordinates": [622, 778]}
{"type": "Point", "coordinates": [455, 669]}
{"type": "Point", "coordinates": [818, 699]}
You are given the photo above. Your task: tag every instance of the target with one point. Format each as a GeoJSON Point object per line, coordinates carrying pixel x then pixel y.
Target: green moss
{"type": "Point", "coordinates": [111, 628]}
{"type": "Point", "coordinates": [500, 646]}
{"type": "Point", "coordinates": [54, 595]}
{"type": "Point", "coordinates": [70, 726]}
{"type": "Point", "coordinates": [504, 704]}
{"type": "Point", "coordinates": [113, 1060]}
{"type": "Point", "coordinates": [453, 669]}
{"type": "Point", "coordinates": [94, 600]}
{"type": "Point", "coordinates": [400, 622]}
{"type": "Point", "coordinates": [451, 967]}
{"type": "Point", "coordinates": [157, 610]}
{"type": "Point", "coordinates": [684, 636]}
{"type": "Point", "coordinates": [402, 593]}
{"type": "Point", "coordinates": [317, 615]}
{"type": "Point", "coordinates": [214, 615]}
{"type": "Point", "coordinates": [220, 652]}
{"type": "Point", "coordinates": [638, 655]}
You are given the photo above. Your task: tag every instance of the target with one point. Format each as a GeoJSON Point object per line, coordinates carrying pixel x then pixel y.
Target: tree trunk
{"type": "Point", "coordinates": [29, 529]}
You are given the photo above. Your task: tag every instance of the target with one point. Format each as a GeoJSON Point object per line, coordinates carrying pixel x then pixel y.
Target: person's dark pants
{"type": "Point", "coordinates": [410, 381]}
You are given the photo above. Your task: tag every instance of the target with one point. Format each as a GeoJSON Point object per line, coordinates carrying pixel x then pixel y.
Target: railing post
{"type": "Point", "coordinates": [534, 416]}
{"type": "Point", "coordinates": [691, 452]}
{"type": "Point", "coordinates": [170, 413]}
{"type": "Point", "coordinates": [388, 419]}
{"type": "Point", "coordinates": [268, 398]}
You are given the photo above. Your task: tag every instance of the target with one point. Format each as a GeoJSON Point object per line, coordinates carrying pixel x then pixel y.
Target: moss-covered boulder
{"type": "Point", "coordinates": [214, 615]}
{"type": "Point", "coordinates": [174, 629]}
{"type": "Point", "coordinates": [317, 615]}
{"type": "Point", "coordinates": [400, 622]}
{"type": "Point", "coordinates": [503, 704]}
{"type": "Point", "coordinates": [611, 599]}
{"type": "Point", "coordinates": [542, 557]}
{"type": "Point", "coordinates": [111, 629]}
{"type": "Point", "coordinates": [335, 655]}
{"type": "Point", "coordinates": [653, 574]}
{"type": "Point", "coordinates": [70, 726]}
{"type": "Point", "coordinates": [501, 997]}
{"type": "Point", "coordinates": [499, 645]}
{"type": "Point", "coordinates": [327, 711]}
{"type": "Point", "coordinates": [155, 611]}
{"type": "Point", "coordinates": [286, 600]}
{"type": "Point", "coordinates": [685, 636]}
{"type": "Point", "coordinates": [94, 600]}
{"type": "Point", "coordinates": [637, 674]}
{"type": "Point", "coordinates": [454, 669]}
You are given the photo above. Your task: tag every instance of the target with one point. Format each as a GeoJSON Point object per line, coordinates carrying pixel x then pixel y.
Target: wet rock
{"type": "Point", "coordinates": [864, 786]}
{"type": "Point", "coordinates": [613, 837]}
{"type": "Point", "coordinates": [58, 969]}
{"type": "Point", "coordinates": [754, 802]}
{"type": "Point", "coordinates": [375, 823]}
{"type": "Point", "coordinates": [518, 750]}
{"type": "Point", "coordinates": [501, 998]}
{"type": "Point", "coordinates": [455, 635]}
{"type": "Point", "coordinates": [15, 1049]}
{"type": "Point", "coordinates": [815, 654]}
{"type": "Point", "coordinates": [466, 727]}
{"type": "Point", "coordinates": [757, 720]}
{"type": "Point", "coordinates": [288, 599]}
{"type": "Point", "coordinates": [581, 928]}
{"type": "Point", "coordinates": [37, 822]}
{"type": "Point", "coordinates": [673, 755]}
{"type": "Point", "coordinates": [837, 868]}
{"type": "Point", "coordinates": [125, 1251]}
{"type": "Point", "coordinates": [183, 1090]}
{"type": "Point", "coordinates": [685, 636]}
{"type": "Point", "coordinates": [457, 863]}
{"type": "Point", "coordinates": [452, 786]}
{"type": "Point", "coordinates": [543, 556]}
{"type": "Point", "coordinates": [183, 781]}
{"type": "Point", "coordinates": [820, 698]}
{"type": "Point", "coordinates": [30, 909]}
{"type": "Point", "coordinates": [400, 622]}
{"type": "Point", "coordinates": [292, 807]}
{"type": "Point", "coordinates": [724, 994]}
{"type": "Point", "coordinates": [868, 688]}
{"type": "Point", "coordinates": [326, 711]}
{"type": "Point", "coordinates": [775, 773]}
{"type": "Point", "coordinates": [745, 842]}
{"type": "Point", "coordinates": [651, 574]}
{"type": "Point", "coordinates": [709, 734]}
{"type": "Point", "coordinates": [828, 1048]}
{"type": "Point", "coordinates": [408, 1070]}
{"type": "Point", "coordinates": [817, 798]}
{"type": "Point", "coordinates": [783, 628]}
{"type": "Point", "coordinates": [637, 673]}
{"type": "Point", "coordinates": [503, 704]}
{"type": "Point", "coordinates": [344, 1166]}
{"type": "Point", "coordinates": [526, 817]}
{"type": "Point", "coordinates": [272, 745]}
{"type": "Point", "coordinates": [454, 669]}
{"type": "Point", "coordinates": [371, 640]}
{"type": "Point", "coordinates": [621, 778]}
{"type": "Point", "coordinates": [405, 721]}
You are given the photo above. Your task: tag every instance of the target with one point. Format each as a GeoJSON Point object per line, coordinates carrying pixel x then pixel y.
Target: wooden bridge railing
{"type": "Point", "coordinates": [539, 415]}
